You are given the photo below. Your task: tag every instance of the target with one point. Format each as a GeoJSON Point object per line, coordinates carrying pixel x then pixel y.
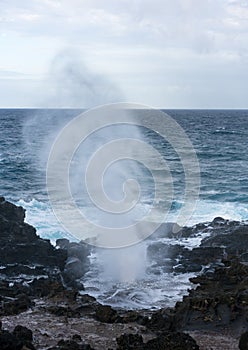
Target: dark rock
{"type": "Point", "coordinates": [160, 320]}
{"type": "Point", "coordinates": [9, 342]}
{"type": "Point", "coordinates": [20, 339]}
{"type": "Point", "coordinates": [129, 341]}
{"type": "Point", "coordinates": [219, 221]}
{"type": "Point", "coordinates": [133, 316]}
{"type": "Point", "coordinates": [42, 287]}
{"type": "Point", "coordinates": [77, 338]}
{"type": "Point", "coordinates": [172, 341]}
{"type": "Point", "coordinates": [13, 307]}
{"type": "Point", "coordinates": [234, 241]}
{"type": "Point", "coordinates": [78, 250]}
{"type": "Point", "coordinates": [77, 263]}
{"type": "Point", "coordinates": [165, 341]}
{"type": "Point", "coordinates": [74, 268]}
{"type": "Point", "coordinates": [23, 333]}
{"type": "Point", "coordinates": [11, 212]}
{"type": "Point", "coordinates": [244, 257]}
{"type": "Point", "coordinates": [31, 265]}
{"type": "Point", "coordinates": [105, 313]}
{"type": "Point", "coordinates": [68, 345]}
{"type": "Point", "coordinates": [187, 267]}
{"type": "Point", "coordinates": [62, 243]}
{"type": "Point", "coordinates": [219, 300]}
{"type": "Point", "coordinates": [243, 342]}
{"type": "Point", "coordinates": [71, 345]}
{"type": "Point", "coordinates": [20, 243]}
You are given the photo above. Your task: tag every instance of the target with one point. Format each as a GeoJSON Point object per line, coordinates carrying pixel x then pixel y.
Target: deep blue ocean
{"type": "Point", "coordinates": [219, 138]}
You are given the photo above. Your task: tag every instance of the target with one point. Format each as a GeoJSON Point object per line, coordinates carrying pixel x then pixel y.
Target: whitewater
{"type": "Point", "coordinates": [219, 138]}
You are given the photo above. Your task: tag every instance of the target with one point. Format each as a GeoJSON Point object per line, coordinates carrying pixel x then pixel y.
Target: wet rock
{"type": "Point", "coordinates": [172, 341]}
{"type": "Point", "coordinates": [129, 341]}
{"type": "Point", "coordinates": [77, 338]}
{"type": "Point", "coordinates": [71, 345]}
{"type": "Point", "coordinates": [20, 339]}
{"type": "Point", "coordinates": [9, 342]}
{"type": "Point", "coordinates": [77, 263]}
{"type": "Point", "coordinates": [133, 316]}
{"type": "Point", "coordinates": [31, 265]}
{"type": "Point", "coordinates": [166, 341]}
{"type": "Point", "coordinates": [62, 243]}
{"type": "Point", "coordinates": [243, 342]}
{"type": "Point", "coordinates": [74, 268]}
{"type": "Point", "coordinates": [23, 333]}
{"type": "Point", "coordinates": [46, 286]}
{"type": "Point", "coordinates": [106, 314]}
{"type": "Point", "coordinates": [176, 258]}
{"type": "Point", "coordinates": [220, 300]}
{"type": "Point", "coordinates": [244, 257]}
{"type": "Point", "coordinates": [160, 321]}
{"type": "Point", "coordinates": [194, 260]}
{"type": "Point", "coordinates": [13, 307]}
{"type": "Point", "coordinates": [11, 212]}
{"type": "Point", "coordinates": [20, 245]}
{"type": "Point", "coordinates": [230, 235]}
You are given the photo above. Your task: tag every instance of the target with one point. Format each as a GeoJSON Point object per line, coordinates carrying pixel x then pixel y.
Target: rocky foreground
{"type": "Point", "coordinates": [43, 305]}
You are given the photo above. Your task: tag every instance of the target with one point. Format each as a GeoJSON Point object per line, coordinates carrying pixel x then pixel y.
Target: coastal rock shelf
{"type": "Point", "coordinates": [41, 288]}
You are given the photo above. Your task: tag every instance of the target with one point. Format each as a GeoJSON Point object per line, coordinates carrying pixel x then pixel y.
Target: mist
{"type": "Point", "coordinates": [73, 85]}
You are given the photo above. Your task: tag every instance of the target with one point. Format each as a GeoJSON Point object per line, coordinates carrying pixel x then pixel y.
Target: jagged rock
{"type": "Point", "coordinates": [160, 321]}
{"type": "Point", "coordinates": [13, 307]}
{"type": "Point", "coordinates": [20, 243]}
{"type": "Point", "coordinates": [62, 243]}
{"type": "Point", "coordinates": [165, 341]}
{"type": "Point", "coordinates": [77, 263]}
{"type": "Point", "coordinates": [234, 241]}
{"type": "Point", "coordinates": [129, 341]}
{"type": "Point", "coordinates": [105, 313]}
{"type": "Point", "coordinates": [220, 300]}
{"type": "Point", "coordinates": [9, 342]}
{"type": "Point", "coordinates": [23, 333]}
{"type": "Point", "coordinates": [71, 345]}
{"type": "Point", "coordinates": [74, 268]}
{"type": "Point", "coordinates": [20, 339]}
{"type": "Point", "coordinates": [243, 342]}
{"type": "Point", "coordinates": [31, 265]}
{"type": "Point", "coordinates": [172, 341]}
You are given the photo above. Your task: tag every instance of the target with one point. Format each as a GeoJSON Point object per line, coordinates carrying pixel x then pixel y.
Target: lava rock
{"type": "Point", "coordinates": [165, 341]}
{"type": "Point", "coordinates": [9, 342]}
{"type": "Point", "coordinates": [129, 341]}
{"type": "Point", "coordinates": [20, 339]}
{"type": "Point", "coordinates": [172, 341]}
{"type": "Point", "coordinates": [105, 314]}
{"type": "Point", "coordinates": [13, 307]}
{"type": "Point", "coordinates": [243, 342]}
{"type": "Point", "coordinates": [23, 333]}
{"type": "Point", "coordinates": [220, 300]}
{"type": "Point", "coordinates": [71, 345]}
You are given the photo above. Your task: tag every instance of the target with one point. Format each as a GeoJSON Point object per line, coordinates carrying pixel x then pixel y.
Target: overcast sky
{"type": "Point", "coordinates": [164, 53]}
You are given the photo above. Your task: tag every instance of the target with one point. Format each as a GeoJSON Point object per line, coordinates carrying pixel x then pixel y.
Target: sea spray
{"type": "Point", "coordinates": [73, 85]}
{"type": "Point", "coordinates": [125, 265]}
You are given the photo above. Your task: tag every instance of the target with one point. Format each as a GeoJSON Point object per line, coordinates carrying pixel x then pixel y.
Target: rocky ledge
{"type": "Point", "coordinates": [40, 288]}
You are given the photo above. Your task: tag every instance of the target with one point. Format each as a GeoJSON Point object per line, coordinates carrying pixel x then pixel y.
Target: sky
{"type": "Point", "coordinates": [162, 53]}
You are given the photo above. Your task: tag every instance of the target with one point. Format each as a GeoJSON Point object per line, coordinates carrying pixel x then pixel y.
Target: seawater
{"type": "Point", "coordinates": [220, 140]}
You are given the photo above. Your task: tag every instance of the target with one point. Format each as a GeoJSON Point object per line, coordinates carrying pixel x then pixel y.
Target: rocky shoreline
{"type": "Point", "coordinates": [43, 305]}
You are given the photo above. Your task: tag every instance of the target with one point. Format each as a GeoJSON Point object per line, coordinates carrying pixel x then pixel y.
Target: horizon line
{"type": "Point", "coordinates": [161, 108]}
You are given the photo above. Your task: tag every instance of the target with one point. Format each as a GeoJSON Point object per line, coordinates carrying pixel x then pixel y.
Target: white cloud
{"type": "Point", "coordinates": [180, 47]}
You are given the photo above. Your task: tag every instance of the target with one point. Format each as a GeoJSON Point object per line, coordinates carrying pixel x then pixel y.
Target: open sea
{"type": "Point", "coordinates": [219, 138]}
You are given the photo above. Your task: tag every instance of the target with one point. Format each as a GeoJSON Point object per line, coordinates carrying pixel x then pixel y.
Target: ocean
{"type": "Point", "coordinates": [219, 138]}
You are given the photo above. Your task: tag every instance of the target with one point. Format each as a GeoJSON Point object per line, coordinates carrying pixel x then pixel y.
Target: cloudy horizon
{"type": "Point", "coordinates": [81, 53]}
